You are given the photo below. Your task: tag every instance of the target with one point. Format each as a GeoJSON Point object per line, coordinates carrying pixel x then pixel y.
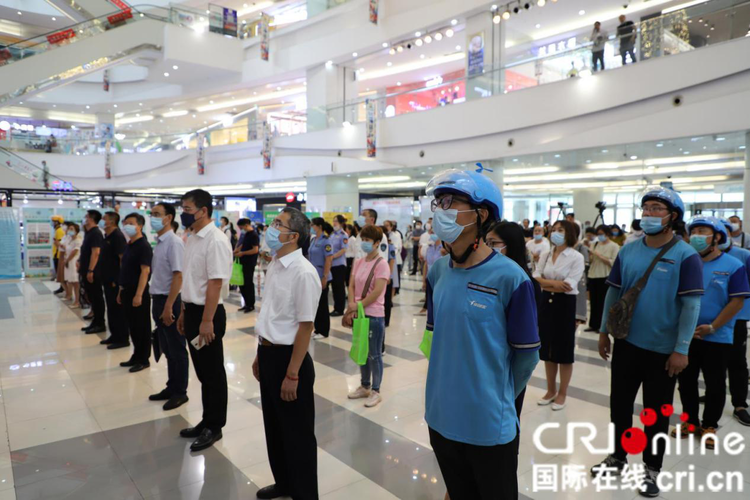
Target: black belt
{"type": "Point", "coordinates": [266, 343]}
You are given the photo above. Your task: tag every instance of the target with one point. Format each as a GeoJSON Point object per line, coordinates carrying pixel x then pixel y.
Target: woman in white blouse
{"type": "Point", "coordinates": [558, 272]}
{"type": "Point", "coordinates": [72, 253]}
{"type": "Point", "coordinates": [352, 249]}
{"type": "Point", "coordinates": [537, 246]}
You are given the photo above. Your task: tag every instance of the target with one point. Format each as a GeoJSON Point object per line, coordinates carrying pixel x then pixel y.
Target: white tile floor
{"type": "Point", "coordinates": [57, 383]}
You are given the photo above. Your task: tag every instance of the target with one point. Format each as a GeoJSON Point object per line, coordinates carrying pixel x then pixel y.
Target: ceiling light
{"type": "Point", "coordinates": [175, 67]}
{"type": "Point", "coordinates": [605, 150]}
{"type": "Point", "coordinates": [438, 36]}
{"type": "Point", "coordinates": [392, 51]}
{"type": "Point", "coordinates": [385, 45]}
{"type": "Point", "coordinates": [88, 107]}
{"type": "Point", "coordinates": [634, 157]}
{"type": "Point", "coordinates": [389, 64]}
{"type": "Point", "coordinates": [133, 119]}
{"type": "Point", "coordinates": [115, 105]}
{"type": "Point", "coordinates": [20, 13]}
{"type": "Point", "coordinates": [193, 116]}
{"type": "Point", "coordinates": [532, 170]}
{"type": "Point", "coordinates": [385, 178]}
{"type": "Point", "coordinates": [361, 70]}
{"type": "Point", "coordinates": [354, 54]}
{"type": "Point", "coordinates": [418, 34]}
{"type": "Point", "coordinates": [660, 145]}
{"type": "Point", "coordinates": [581, 12]}
{"type": "Point", "coordinates": [54, 19]}
{"type": "Point", "coordinates": [537, 26]}
{"type": "Point", "coordinates": [166, 74]}
{"type": "Point", "coordinates": [541, 3]}
{"type": "Point", "coordinates": [449, 33]}
{"type": "Point", "coordinates": [278, 88]}
{"type": "Point", "coordinates": [454, 22]}
{"type": "Point", "coordinates": [496, 19]}
{"type": "Point", "coordinates": [421, 56]}
{"type": "Point", "coordinates": [329, 64]}
{"type": "Point", "coordinates": [398, 84]}
{"type": "Point", "coordinates": [418, 42]}
{"type": "Point", "coordinates": [458, 47]}
{"type": "Point", "coordinates": [399, 49]}
{"type": "Point", "coordinates": [493, 8]}
{"type": "Point", "coordinates": [173, 114]}
{"type": "Point", "coordinates": [347, 124]}
{"type": "Point", "coordinates": [506, 14]}
{"type": "Point", "coordinates": [428, 39]}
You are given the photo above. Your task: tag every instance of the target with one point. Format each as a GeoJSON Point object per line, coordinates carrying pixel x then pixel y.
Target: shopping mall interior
{"type": "Point", "coordinates": [340, 107]}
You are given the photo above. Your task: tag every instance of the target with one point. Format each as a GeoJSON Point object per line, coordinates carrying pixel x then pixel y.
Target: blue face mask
{"type": "Point", "coordinates": [557, 239]}
{"type": "Point", "coordinates": [157, 224]}
{"type": "Point", "coordinates": [433, 237]}
{"type": "Point", "coordinates": [699, 242]}
{"type": "Point", "coordinates": [538, 237]}
{"type": "Point", "coordinates": [367, 247]}
{"type": "Point", "coordinates": [361, 221]}
{"type": "Point", "coordinates": [71, 233]}
{"type": "Point", "coordinates": [445, 225]}
{"type": "Point", "coordinates": [129, 229]}
{"type": "Point", "coordinates": [602, 238]}
{"type": "Point", "coordinates": [272, 239]}
{"type": "Point", "coordinates": [652, 225]}
{"type": "Point", "coordinates": [101, 223]}
{"type": "Point", "coordinates": [242, 232]}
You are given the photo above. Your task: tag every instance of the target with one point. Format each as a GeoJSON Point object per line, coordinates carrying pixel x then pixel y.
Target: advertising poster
{"type": "Point", "coordinates": [266, 150]}
{"type": "Point", "coordinates": [265, 21]}
{"type": "Point", "coordinates": [215, 18]}
{"type": "Point", "coordinates": [201, 153]}
{"type": "Point", "coordinates": [328, 216]}
{"type": "Point", "coordinates": [72, 214]}
{"type": "Point", "coordinates": [372, 116]}
{"type": "Point", "coordinates": [256, 217]}
{"type": "Point", "coordinates": [374, 4]}
{"type": "Point", "coordinates": [475, 54]}
{"type": "Point", "coordinates": [38, 236]}
{"type": "Point", "coordinates": [108, 159]}
{"type": "Point", "coordinates": [105, 81]}
{"type": "Point", "coordinates": [229, 22]}
{"type": "Point", "coordinates": [10, 245]}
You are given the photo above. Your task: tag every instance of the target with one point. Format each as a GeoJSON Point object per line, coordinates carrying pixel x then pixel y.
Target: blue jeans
{"type": "Point", "coordinates": [374, 365]}
{"type": "Point", "coordinates": [173, 346]}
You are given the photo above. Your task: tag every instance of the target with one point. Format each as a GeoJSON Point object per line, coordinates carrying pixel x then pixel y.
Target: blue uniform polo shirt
{"type": "Point", "coordinates": [657, 314]}
{"type": "Point", "coordinates": [320, 248]}
{"type": "Point", "coordinates": [724, 278]}
{"type": "Point", "coordinates": [339, 240]}
{"type": "Point", "coordinates": [479, 316]}
{"type": "Point", "coordinates": [743, 256]}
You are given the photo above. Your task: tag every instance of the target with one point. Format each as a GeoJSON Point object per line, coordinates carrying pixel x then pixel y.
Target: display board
{"type": "Point", "coordinates": [38, 236]}
{"type": "Point", "coordinates": [255, 216]}
{"type": "Point", "coordinates": [399, 209]}
{"type": "Point", "coordinates": [10, 244]}
{"type": "Point", "coordinates": [268, 217]}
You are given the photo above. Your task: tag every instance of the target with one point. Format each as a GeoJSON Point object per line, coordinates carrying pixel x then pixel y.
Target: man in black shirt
{"type": "Point", "coordinates": [134, 297]}
{"type": "Point", "coordinates": [90, 270]}
{"type": "Point", "coordinates": [247, 252]}
{"type": "Point", "coordinates": [626, 33]}
{"type": "Point", "coordinates": [111, 257]}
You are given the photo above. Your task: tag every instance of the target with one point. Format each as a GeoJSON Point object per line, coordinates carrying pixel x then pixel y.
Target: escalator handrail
{"type": "Point", "coordinates": [28, 163]}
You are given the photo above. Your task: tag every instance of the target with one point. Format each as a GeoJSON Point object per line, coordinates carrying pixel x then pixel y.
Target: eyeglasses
{"type": "Point", "coordinates": [445, 202]}
{"type": "Point", "coordinates": [492, 243]}
{"type": "Point", "coordinates": [277, 225]}
{"type": "Point", "coordinates": [654, 209]}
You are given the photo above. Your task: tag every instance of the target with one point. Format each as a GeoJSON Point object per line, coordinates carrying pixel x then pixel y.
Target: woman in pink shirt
{"type": "Point", "coordinates": [373, 269]}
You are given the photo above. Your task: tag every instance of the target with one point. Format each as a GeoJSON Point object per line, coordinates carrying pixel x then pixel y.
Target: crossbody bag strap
{"type": "Point", "coordinates": [658, 257]}
{"type": "Point", "coordinates": [369, 278]}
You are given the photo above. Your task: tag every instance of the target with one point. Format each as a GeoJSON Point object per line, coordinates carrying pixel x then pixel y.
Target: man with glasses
{"type": "Point", "coordinates": [282, 366]}
{"type": "Point", "coordinates": [203, 321]}
{"type": "Point", "coordinates": [662, 326]}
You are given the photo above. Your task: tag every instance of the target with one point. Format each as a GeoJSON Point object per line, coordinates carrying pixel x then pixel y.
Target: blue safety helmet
{"type": "Point", "coordinates": [727, 224]}
{"type": "Point", "coordinates": [478, 188]}
{"type": "Point", "coordinates": [711, 222]}
{"type": "Point", "coordinates": [667, 196]}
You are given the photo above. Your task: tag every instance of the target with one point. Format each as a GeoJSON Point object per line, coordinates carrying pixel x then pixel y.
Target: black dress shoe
{"type": "Point", "coordinates": [175, 402]}
{"type": "Point", "coordinates": [59, 291]}
{"type": "Point", "coordinates": [96, 329]}
{"type": "Point", "coordinates": [270, 492]}
{"type": "Point", "coordinates": [160, 396]}
{"type": "Point", "coordinates": [336, 314]}
{"type": "Point", "coordinates": [138, 367]}
{"type": "Point", "coordinates": [192, 432]}
{"type": "Point", "coordinates": [205, 440]}
{"type": "Point", "coordinates": [89, 316]}
{"type": "Point", "coordinates": [590, 330]}
{"type": "Point", "coordinates": [86, 328]}
{"type": "Point", "coordinates": [249, 309]}
{"type": "Point", "coordinates": [118, 345]}
{"type": "Point", "coordinates": [128, 363]}
{"type": "Point", "coordinates": [107, 341]}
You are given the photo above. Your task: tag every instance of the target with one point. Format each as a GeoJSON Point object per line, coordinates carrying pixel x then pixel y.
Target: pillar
{"type": "Point", "coordinates": [491, 81]}
{"type": "Point", "coordinates": [746, 184]}
{"type": "Point", "coordinates": [584, 203]}
{"type": "Point", "coordinates": [333, 193]}
{"type": "Point", "coordinates": [329, 85]}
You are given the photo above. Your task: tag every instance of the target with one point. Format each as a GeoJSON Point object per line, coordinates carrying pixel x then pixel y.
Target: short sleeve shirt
{"type": "Point", "coordinates": [114, 247]}
{"type": "Point", "coordinates": [479, 316]}
{"type": "Point", "coordinates": [724, 278]}
{"type": "Point", "coordinates": [360, 272]}
{"type": "Point", "coordinates": [250, 241]}
{"type": "Point", "coordinates": [743, 255]}
{"type": "Point", "coordinates": [137, 253]}
{"type": "Point", "coordinates": [167, 260]}
{"type": "Point", "coordinates": [208, 256]}
{"type": "Point", "coordinates": [92, 239]}
{"type": "Point", "coordinates": [339, 241]}
{"type": "Point", "coordinates": [320, 249]}
{"type": "Point", "coordinates": [657, 314]}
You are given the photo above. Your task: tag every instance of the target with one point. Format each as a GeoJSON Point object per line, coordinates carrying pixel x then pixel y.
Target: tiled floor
{"type": "Point", "coordinates": [77, 426]}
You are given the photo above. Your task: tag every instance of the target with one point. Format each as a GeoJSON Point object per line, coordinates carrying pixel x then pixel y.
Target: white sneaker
{"type": "Point", "coordinates": [360, 393]}
{"type": "Point", "coordinates": [318, 336]}
{"type": "Point", "coordinates": [373, 400]}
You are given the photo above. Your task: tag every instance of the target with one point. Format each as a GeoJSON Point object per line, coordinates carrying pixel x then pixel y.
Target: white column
{"type": "Point", "coordinates": [584, 203]}
{"type": "Point", "coordinates": [333, 193]}
{"type": "Point", "coordinates": [746, 184]}
{"type": "Point", "coordinates": [329, 85]}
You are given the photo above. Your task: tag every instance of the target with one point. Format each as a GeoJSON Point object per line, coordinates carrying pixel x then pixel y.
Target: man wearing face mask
{"type": "Point", "coordinates": [247, 250]}
{"type": "Point", "coordinates": [205, 284]}
{"type": "Point", "coordinates": [415, 236]}
{"type": "Point", "coordinates": [662, 326]}
{"type": "Point", "coordinates": [112, 252]}
{"type": "Point", "coordinates": [739, 237]}
{"type": "Point", "coordinates": [134, 294]}
{"type": "Point", "coordinates": [475, 377]}
{"type": "Point", "coordinates": [89, 268]}
{"type": "Point", "coordinates": [726, 285]}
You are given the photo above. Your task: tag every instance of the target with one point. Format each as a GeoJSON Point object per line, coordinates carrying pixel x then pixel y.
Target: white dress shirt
{"type": "Point", "coordinates": [397, 243]}
{"type": "Point", "coordinates": [352, 248]}
{"type": "Point", "coordinates": [568, 267]}
{"type": "Point", "coordinates": [290, 297]}
{"type": "Point", "coordinates": [424, 242]}
{"type": "Point", "coordinates": [208, 256]}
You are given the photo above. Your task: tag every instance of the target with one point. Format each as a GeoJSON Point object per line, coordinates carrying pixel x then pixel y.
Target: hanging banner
{"type": "Point", "coordinates": [201, 153]}
{"type": "Point", "coordinates": [374, 4]}
{"type": "Point", "coordinates": [266, 151]}
{"type": "Point", "coordinates": [61, 36]}
{"type": "Point", "coordinates": [108, 159]}
{"type": "Point", "coordinates": [265, 21]}
{"type": "Point", "coordinates": [10, 245]}
{"type": "Point", "coordinates": [37, 227]}
{"type": "Point", "coordinates": [106, 80]}
{"type": "Point", "coordinates": [475, 54]}
{"type": "Point", "coordinates": [371, 126]}
{"type": "Point", "coordinates": [229, 22]}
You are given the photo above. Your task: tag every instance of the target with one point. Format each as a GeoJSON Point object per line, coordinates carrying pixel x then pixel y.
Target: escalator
{"type": "Point", "coordinates": [18, 173]}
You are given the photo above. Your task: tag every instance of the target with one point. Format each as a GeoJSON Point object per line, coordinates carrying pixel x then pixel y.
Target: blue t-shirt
{"type": "Point", "coordinates": [723, 278]}
{"type": "Point", "coordinates": [479, 316]}
{"type": "Point", "coordinates": [338, 240]}
{"type": "Point", "coordinates": [433, 253]}
{"type": "Point", "coordinates": [320, 248]}
{"type": "Point", "coordinates": [743, 256]}
{"type": "Point", "coordinates": [657, 314]}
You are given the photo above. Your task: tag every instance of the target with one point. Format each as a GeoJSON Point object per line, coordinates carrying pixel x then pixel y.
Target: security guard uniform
{"type": "Point", "coordinates": [320, 248]}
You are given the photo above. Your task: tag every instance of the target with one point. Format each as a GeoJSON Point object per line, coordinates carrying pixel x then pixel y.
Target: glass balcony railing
{"type": "Point", "coordinates": [287, 15]}
{"type": "Point", "coordinates": [35, 174]}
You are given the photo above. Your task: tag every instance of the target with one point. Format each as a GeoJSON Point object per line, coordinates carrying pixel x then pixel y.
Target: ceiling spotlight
{"type": "Point", "coordinates": [392, 51]}
{"type": "Point", "coordinates": [175, 67]}
{"type": "Point", "coordinates": [449, 33]}
{"type": "Point", "coordinates": [418, 34]}
{"type": "Point", "coordinates": [428, 39]}
{"type": "Point", "coordinates": [516, 9]}
{"type": "Point", "coordinates": [354, 54]}
{"type": "Point", "coordinates": [385, 45]}
{"type": "Point", "coordinates": [115, 105]}
{"type": "Point", "coordinates": [418, 42]}
{"type": "Point", "coordinates": [527, 5]}
{"type": "Point", "coordinates": [361, 70]}
{"type": "Point", "coordinates": [541, 3]}
{"type": "Point", "coordinates": [496, 19]}
{"type": "Point", "coordinates": [166, 74]}
{"type": "Point", "coordinates": [454, 22]}
{"type": "Point", "coordinates": [389, 64]}
{"type": "Point", "coordinates": [506, 14]}
{"type": "Point", "coordinates": [329, 64]}
{"type": "Point", "coordinates": [20, 13]}
{"type": "Point", "coordinates": [438, 36]}
{"type": "Point", "coordinates": [421, 56]}
{"type": "Point", "coordinates": [54, 19]}
{"type": "Point", "coordinates": [458, 47]}
{"type": "Point", "coordinates": [537, 26]}
{"type": "Point", "coordinates": [493, 8]}
{"type": "Point", "coordinates": [399, 49]}
{"type": "Point", "coordinates": [88, 107]}
{"type": "Point", "coordinates": [581, 12]}
{"type": "Point", "coordinates": [398, 84]}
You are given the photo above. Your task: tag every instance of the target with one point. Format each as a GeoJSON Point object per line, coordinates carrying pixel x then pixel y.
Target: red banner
{"type": "Point", "coordinates": [61, 36]}
{"type": "Point", "coordinates": [120, 17]}
{"type": "Point", "coordinates": [119, 3]}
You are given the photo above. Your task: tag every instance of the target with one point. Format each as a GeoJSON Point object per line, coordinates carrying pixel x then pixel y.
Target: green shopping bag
{"type": "Point", "coordinates": [360, 337]}
{"type": "Point", "coordinates": [426, 345]}
{"type": "Point", "coordinates": [238, 277]}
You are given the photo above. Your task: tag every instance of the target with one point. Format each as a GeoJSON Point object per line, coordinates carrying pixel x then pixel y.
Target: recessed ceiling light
{"type": "Point", "coordinates": [458, 47]}
{"type": "Point", "coordinates": [537, 26]}
{"type": "Point", "coordinates": [418, 34]}
{"type": "Point", "coordinates": [193, 116]}
{"type": "Point", "coordinates": [278, 88]}
{"type": "Point", "coordinates": [88, 107]}
{"type": "Point", "coordinates": [418, 42]}
{"type": "Point", "coordinates": [115, 105]}
{"type": "Point", "coordinates": [438, 36]}
{"type": "Point", "coordinates": [557, 156]}
{"type": "Point", "coordinates": [428, 39]}
{"type": "Point", "coordinates": [454, 22]}
{"type": "Point", "coordinates": [421, 56]}
{"type": "Point", "coordinates": [581, 12]}
{"type": "Point", "coordinates": [659, 145]}
{"type": "Point", "coordinates": [166, 74]}
{"type": "Point", "coordinates": [54, 19]}
{"type": "Point", "coordinates": [634, 157]}
{"type": "Point", "coordinates": [398, 84]}
{"type": "Point", "coordinates": [175, 67]}
{"type": "Point", "coordinates": [210, 102]}
{"type": "Point", "coordinates": [140, 104]}
{"type": "Point", "coordinates": [20, 13]}
{"type": "Point", "coordinates": [354, 54]}
{"type": "Point", "coordinates": [385, 45]}
{"type": "Point", "coordinates": [389, 64]}
{"type": "Point", "coordinates": [449, 32]}
{"type": "Point", "coordinates": [54, 105]}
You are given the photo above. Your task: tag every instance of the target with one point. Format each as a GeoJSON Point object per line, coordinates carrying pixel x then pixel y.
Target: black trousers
{"type": "Point", "coordinates": [323, 316]}
{"type": "Point", "coordinates": [414, 259]}
{"type": "Point", "coordinates": [738, 372]}
{"type": "Point", "coordinates": [118, 326]}
{"type": "Point", "coordinates": [597, 56]}
{"type": "Point", "coordinates": [172, 345]}
{"type": "Point", "coordinates": [624, 51]}
{"type": "Point", "coordinates": [95, 296]}
{"type": "Point", "coordinates": [349, 264]}
{"type": "Point", "coordinates": [290, 426]}
{"type": "Point", "coordinates": [477, 472]}
{"type": "Point", "coordinates": [633, 367]}
{"type": "Point", "coordinates": [248, 289]}
{"type": "Point", "coordinates": [209, 366]}
{"type": "Point", "coordinates": [338, 286]}
{"type": "Point", "coordinates": [597, 292]}
{"type": "Point", "coordinates": [710, 358]}
{"type": "Point", "coordinates": [139, 323]}
{"type": "Point", "coordinates": [388, 303]}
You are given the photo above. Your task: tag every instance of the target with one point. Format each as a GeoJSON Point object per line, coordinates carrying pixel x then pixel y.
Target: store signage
{"type": "Point", "coordinates": [374, 6]}
{"type": "Point", "coordinates": [476, 54]}
{"type": "Point", "coordinates": [265, 21]}
{"type": "Point", "coordinates": [62, 186]}
{"type": "Point", "coordinates": [290, 197]}
{"type": "Point", "coordinates": [61, 36]}
{"type": "Point", "coordinates": [554, 48]}
{"type": "Point", "coordinates": [120, 17]}
{"type": "Point", "coordinates": [120, 4]}
{"type": "Point", "coordinates": [434, 82]}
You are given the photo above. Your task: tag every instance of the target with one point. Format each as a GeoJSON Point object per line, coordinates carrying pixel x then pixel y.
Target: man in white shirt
{"type": "Point", "coordinates": [370, 216]}
{"type": "Point", "coordinates": [397, 242]}
{"type": "Point", "coordinates": [283, 366]}
{"type": "Point", "coordinates": [571, 217]}
{"type": "Point", "coordinates": [739, 237]}
{"type": "Point", "coordinates": [207, 267]}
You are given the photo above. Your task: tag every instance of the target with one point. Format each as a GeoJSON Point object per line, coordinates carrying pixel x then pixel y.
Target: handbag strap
{"type": "Point", "coordinates": [369, 278]}
{"type": "Point", "coordinates": [658, 257]}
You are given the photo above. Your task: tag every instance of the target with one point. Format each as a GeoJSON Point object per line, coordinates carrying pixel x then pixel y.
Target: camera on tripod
{"type": "Point", "coordinates": [601, 205]}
